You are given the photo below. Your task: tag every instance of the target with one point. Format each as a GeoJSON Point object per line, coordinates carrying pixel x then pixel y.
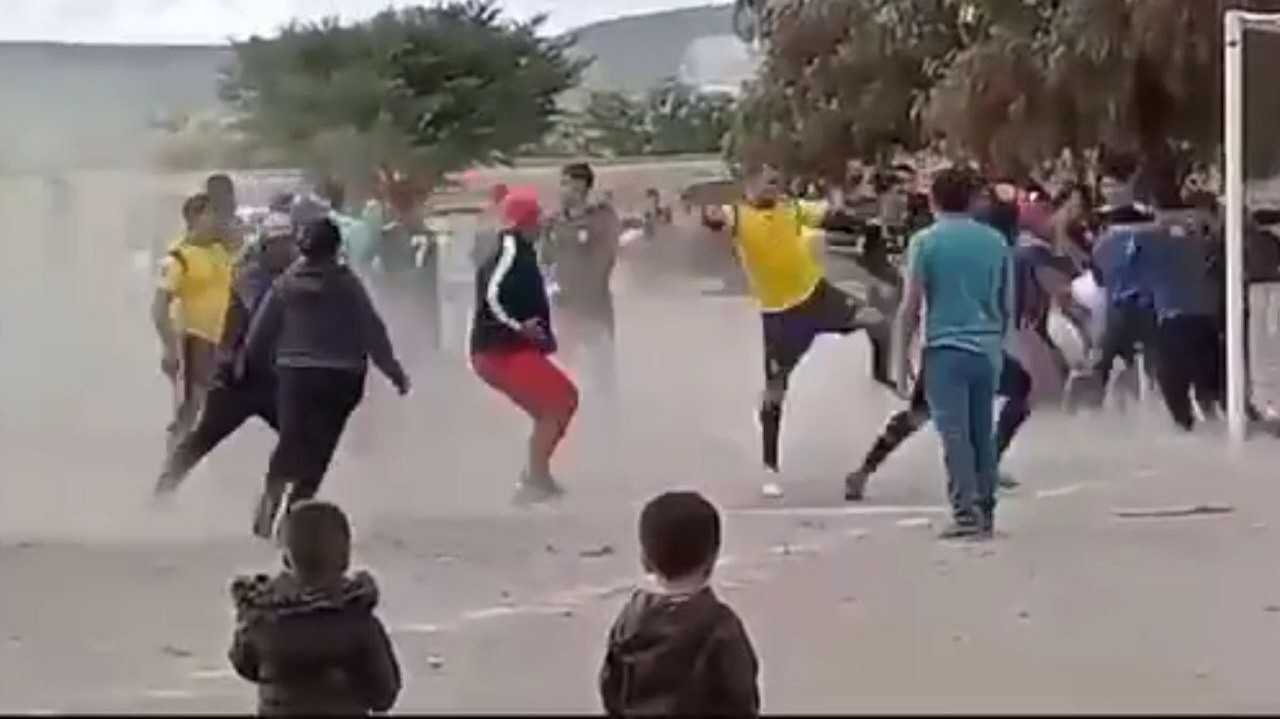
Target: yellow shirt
{"type": "Point", "coordinates": [199, 278]}
{"type": "Point", "coordinates": [774, 249]}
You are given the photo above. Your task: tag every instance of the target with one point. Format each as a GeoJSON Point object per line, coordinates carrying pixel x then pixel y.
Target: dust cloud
{"type": "Point", "coordinates": [85, 406]}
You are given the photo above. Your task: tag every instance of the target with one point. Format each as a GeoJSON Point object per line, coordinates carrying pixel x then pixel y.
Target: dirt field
{"type": "Point", "coordinates": [852, 608]}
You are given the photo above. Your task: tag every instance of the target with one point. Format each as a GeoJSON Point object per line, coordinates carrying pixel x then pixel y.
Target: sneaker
{"type": "Point", "coordinates": [772, 490]}
{"type": "Point", "coordinates": [531, 491]}
{"type": "Point", "coordinates": [961, 530]}
{"type": "Point", "coordinates": [855, 484]}
{"type": "Point", "coordinates": [267, 513]}
{"type": "Point", "coordinates": [163, 493]}
{"type": "Point", "coordinates": [1007, 481]}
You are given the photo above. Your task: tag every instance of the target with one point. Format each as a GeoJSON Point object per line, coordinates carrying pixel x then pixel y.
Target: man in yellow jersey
{"type": "Point", "coordinates": [774, 243]}
{"type": "Point", "coordinates": [189, 309]}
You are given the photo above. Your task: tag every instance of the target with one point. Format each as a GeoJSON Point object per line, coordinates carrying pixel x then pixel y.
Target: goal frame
{"type": "Point", "coordinates": [1236, 23]}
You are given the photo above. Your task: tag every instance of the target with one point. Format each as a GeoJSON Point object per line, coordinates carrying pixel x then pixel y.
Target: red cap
{"type": "Point", "coordinates": [520, 208]}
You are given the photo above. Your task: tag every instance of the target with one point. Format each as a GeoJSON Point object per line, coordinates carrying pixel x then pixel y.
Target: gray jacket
{"type": "Point", "coordinates": [320, 316]}
{"type": "Point", "coordinates": [582, 250]}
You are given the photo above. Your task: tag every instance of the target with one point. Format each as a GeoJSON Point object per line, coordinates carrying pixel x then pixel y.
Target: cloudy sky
{"type": "Point", "coordinates": [213, 21]}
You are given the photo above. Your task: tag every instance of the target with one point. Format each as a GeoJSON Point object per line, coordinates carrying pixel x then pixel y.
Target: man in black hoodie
{"type": "Point", "coordinates": [233, 400]}
{"type": "Point", "coordinates": [677, 650]}
{"type": "Point", "coordinates": [512, 340]}
{"type": "Point", "coordinates": [308, 636]}
{"type": "Point", "coordinates": [323, 328]}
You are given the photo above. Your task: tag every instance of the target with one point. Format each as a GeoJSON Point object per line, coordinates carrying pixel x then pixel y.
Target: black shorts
{"type": "Point", "coordinates": [789, 333]}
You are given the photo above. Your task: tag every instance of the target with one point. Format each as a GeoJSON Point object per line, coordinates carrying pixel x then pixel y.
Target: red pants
{"type": "Point", "coordinates": [530, 379]}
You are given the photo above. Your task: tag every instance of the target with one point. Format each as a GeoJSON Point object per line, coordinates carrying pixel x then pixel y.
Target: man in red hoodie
{"type": "Point", "coordinates": [512, 340]}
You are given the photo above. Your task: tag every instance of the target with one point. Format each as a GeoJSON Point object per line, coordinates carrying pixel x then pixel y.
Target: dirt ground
{"type": "Point", "coordinates": [112, 605]}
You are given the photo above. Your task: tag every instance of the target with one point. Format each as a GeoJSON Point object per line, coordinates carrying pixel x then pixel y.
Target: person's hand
{"type": "Point", "coordinates": [169, 364]}
{"type": "Point", "coordinates": [534, 330]}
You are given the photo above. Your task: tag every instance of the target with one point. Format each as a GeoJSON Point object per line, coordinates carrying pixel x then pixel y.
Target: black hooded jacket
{"type": "Point", "coordinates": [313, 651]}
{"type": "Point", "coordinates": [679, 655]}
{"type": "Point", "coordinates": [320, 316]}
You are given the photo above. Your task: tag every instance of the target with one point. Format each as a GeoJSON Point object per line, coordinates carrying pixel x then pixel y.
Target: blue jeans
{"type": "Point", "coordinates": [960, 386]}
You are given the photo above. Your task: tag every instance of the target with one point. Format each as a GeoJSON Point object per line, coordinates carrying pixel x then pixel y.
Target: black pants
{"type": "Point", "coordinates": [1130, 328]}
{"type": "Point", "coordinates": [1189, 361]}
{"type": "Point", "coordinates": [226, 409]}
{"type": "Point", "coordinates": [1015, 387]}
{"type": "Point", "coordinates": [314, 406]}
{"type": "Point", "coordinates": [788, 336]}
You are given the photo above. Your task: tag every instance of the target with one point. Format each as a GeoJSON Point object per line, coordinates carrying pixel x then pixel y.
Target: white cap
{"type": "Point", "coordinates": [277, 224]}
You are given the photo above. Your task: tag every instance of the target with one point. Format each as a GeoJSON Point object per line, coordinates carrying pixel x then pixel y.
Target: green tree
{"type": "Point", "coordinates": [671, 118]}
{"type": "Point", "coordinates": [422, 89]}
{"type": "Point", "coordinates": [1011, 81]}
{"type": "Point", "coordinates": [616, 123]}
{"type": "Point", "coordinates": [684, 120]}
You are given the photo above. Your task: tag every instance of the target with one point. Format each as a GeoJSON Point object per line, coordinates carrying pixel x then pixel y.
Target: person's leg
{"type": "Point", "coordinates": [1173, 372]}
{"type": "Point", "coordinates": [947, 388]}
{"type": "Point", "coordinates": [897, 430]}
{"type": "Point", "coordinates": [226, 408]}
{"type": "Point", "coordinates": [1015, 387]}
{"type": "Point", "coordinates": [263, 399]}
{"type": "Point", "coordinates": [830, 310]}
{"type": "Point", "coordinates": [332, 395]}
{"type": "Point", "coordinates": [1206, 376]}
{"type": "Point", "coordinates": [601, 349]}
{"type": "Point", "coordinates": [195, 380]}
{"type": "Point", "coordinates": [1112, 345]}
{"type": "Point", "coordinates": [292, 410]}
{"type": "Point", "coordinates": [787, 338]}
{"type": "Point", "coordinates": [541, 389]}
{"type": "Point", "coordinates": [552, 400]}
{"type": "Point", "coordinates": [982, 397]}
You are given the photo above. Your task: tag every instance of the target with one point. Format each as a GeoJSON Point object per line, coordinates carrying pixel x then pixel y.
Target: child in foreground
{"type": "Point", "coordinates": [308, 636]}
{"type": "Point", "coordinates": [676, 649]}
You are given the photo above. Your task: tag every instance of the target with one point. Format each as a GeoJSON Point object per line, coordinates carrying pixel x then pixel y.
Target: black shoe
{"type": "Point", "coordinates": [987, 525]}
{"type": "Point", "coordinates": [166, 486]}
{"type": "Point", "coordinates": [268, 510]}
{"type": "Point", "coordinates": [855, 485]}
{"type": "Point", "coordinates": [961, 529]}
{"type": "Point", "coordinates": [1007, 482]}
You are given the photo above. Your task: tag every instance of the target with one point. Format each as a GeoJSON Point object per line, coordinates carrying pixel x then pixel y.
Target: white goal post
{"type": "Point", "coordinates": [1235, 25]}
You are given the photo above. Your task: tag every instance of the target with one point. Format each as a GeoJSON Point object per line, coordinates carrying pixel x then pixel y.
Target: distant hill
{"type": "Point", "coordinates": [635, 53]}
{"type": "Point", "coordinates": [93, 104]}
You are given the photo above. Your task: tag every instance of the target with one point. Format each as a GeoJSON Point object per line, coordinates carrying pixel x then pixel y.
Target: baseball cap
{"type": "Point", "coordinates": [520, 208]}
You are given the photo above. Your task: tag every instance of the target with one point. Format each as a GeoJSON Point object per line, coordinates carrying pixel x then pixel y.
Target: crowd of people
{"type": "Point", "coordinates": [281, 327]}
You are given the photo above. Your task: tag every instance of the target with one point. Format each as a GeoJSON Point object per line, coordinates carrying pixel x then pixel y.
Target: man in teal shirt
{"type": "Point", "coordinates": [960, 272]}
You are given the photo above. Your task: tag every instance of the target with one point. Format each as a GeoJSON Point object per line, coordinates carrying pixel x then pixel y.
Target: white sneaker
{"type": "Point", "coordinates": [772, 490]}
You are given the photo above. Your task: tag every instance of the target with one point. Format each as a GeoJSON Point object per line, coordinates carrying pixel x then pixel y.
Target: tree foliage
{"type": "Point", "coordinates": [1013, 82]}
{"type": "Point", "coordinates": [421, 89]}
{"type": "Point", "coordinates": [671, 118]}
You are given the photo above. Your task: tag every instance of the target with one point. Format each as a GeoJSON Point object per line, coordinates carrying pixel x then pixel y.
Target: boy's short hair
{"type": "Point", "coordinates": [581, 172]}
{"type": "Point", "coordinates": [317, 537]}
{"type": "Point", "coordinates": [953, 190]}
{"type": "Point", "coordinates": [679, 534]}
{"type": "Point", "coordinates": [194, 206]}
